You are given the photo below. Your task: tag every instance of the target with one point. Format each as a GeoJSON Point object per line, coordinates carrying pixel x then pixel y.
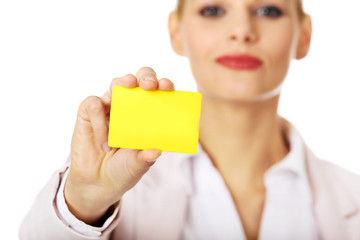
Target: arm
{"type": "Point", "coordinates": [43, 221]}
{"type": "Point", "coordinates": [74, 223]}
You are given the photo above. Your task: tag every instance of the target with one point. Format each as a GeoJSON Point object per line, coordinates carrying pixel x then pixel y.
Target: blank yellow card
{"type": "Point", "coordinates": [164, 120]}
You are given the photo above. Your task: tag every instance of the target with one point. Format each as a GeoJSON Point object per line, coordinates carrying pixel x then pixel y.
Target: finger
{"type": "Point", "coordinates": [166, 85]}
{"type": "Point", "coordinates": [147, 78]}
{"type": "Point", "coordinates": [106, 98]}
{"type": "Point", "coordinates": [128, 81]}
{"type": "Point", "coordinates": [93, 109]}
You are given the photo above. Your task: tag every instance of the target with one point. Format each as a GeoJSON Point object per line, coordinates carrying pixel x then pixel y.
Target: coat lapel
{"type": "Point", "coordinates": [335, 210]}
{"type": "Point", "coordinates": [161, 205]}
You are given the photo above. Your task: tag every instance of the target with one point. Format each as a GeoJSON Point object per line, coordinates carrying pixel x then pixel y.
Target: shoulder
{"type": "Point", "coordinates": [339, 173]}
{"type": "Point", "coordinates": [335, 175]}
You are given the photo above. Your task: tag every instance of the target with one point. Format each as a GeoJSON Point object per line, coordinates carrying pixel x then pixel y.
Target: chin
{"type": "Point", "coordinates": [240, 94]}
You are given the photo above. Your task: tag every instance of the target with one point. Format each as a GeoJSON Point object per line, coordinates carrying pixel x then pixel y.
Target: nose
{"type": "Point", "coordinates": [243, 29]}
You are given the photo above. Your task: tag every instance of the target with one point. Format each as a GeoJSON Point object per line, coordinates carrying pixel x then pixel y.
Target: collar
{"type": "Point", "coordinates": [293, 163]}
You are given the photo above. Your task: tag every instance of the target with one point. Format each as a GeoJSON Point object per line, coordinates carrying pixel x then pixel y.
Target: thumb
{"type": "Point", "coordinates": [133, 164]}
{"type": "Point", "coordinates": [143, 161]}
{"type": "Point", "coordinates": [148, 156]}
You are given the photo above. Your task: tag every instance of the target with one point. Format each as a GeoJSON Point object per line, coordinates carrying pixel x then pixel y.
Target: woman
{"type": "Point", "coordinates": [253, 176]}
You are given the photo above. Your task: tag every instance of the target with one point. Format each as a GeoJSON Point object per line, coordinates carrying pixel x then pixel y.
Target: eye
{"type": "Point", "coordinates": [212, 11]}
{"type": "Point", "coordinates": [269, 11]}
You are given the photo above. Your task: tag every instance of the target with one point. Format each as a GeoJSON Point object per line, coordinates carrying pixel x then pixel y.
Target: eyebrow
{"type": "Point", "coordinates": [286, 1]}
{"type": "Point", "coordinates": [256, 1]}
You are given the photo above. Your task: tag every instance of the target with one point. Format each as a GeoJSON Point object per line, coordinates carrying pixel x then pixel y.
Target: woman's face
{"type": "Point", "coordinates": [240, 50]}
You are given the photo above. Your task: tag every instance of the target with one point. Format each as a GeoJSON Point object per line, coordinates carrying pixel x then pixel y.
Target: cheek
{"type": "Point", "coordinates": [198, 43]}
{"type": "Point", "coordinates": [280, 48]}
{"type": "Point", "coordinates": [281, 45]}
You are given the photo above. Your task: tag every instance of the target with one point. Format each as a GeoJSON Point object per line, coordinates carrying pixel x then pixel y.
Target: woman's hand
{"type": "Point", "coordinates": [98, 175]}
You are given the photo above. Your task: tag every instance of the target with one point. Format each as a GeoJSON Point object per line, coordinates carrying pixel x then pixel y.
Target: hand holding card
{"type": "Point", "coordinates": [101, 175]}
{"type": "Point", "coordinates": [164, 120]}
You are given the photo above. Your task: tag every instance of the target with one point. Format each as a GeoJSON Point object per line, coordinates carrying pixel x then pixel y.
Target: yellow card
{"type": "Point", "coordinates": [164, 120]}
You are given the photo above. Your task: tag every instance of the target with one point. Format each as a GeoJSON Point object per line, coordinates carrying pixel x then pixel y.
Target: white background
{"type": "Point", "coordinates": [55, 53]}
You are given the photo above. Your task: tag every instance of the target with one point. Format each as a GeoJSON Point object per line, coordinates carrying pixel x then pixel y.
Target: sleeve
{"type": "Point", "coordinates": [43, 221]}
{"type": "Point", "coordinates": [74, 223]}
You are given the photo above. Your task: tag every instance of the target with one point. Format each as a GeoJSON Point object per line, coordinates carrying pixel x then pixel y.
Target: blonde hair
{"type": "Point", "coordinates": [301, 12]}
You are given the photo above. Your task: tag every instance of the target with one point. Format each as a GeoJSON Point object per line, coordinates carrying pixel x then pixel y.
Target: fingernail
{"type": "Point", "coordinates": [106, 147]}
{"type": "Point", "coordinates": [150, 79]}
{"type": "Point", "coordinates": [151, 161]}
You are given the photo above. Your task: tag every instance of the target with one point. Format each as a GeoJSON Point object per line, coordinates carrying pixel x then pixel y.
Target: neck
{"type": "Point", "coordinates": [242, 139]}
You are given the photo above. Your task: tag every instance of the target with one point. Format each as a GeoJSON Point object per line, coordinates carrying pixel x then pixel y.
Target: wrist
{"type": "Point", "coordinates": [88, 206]}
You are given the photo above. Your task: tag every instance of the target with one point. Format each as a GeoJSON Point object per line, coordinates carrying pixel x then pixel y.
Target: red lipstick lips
{"type": "Point", "coordinates": [240, 62]}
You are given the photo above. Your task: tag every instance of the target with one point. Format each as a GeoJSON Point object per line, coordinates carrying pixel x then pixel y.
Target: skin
{"type": "Point", "coordinates": [239, 127]}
